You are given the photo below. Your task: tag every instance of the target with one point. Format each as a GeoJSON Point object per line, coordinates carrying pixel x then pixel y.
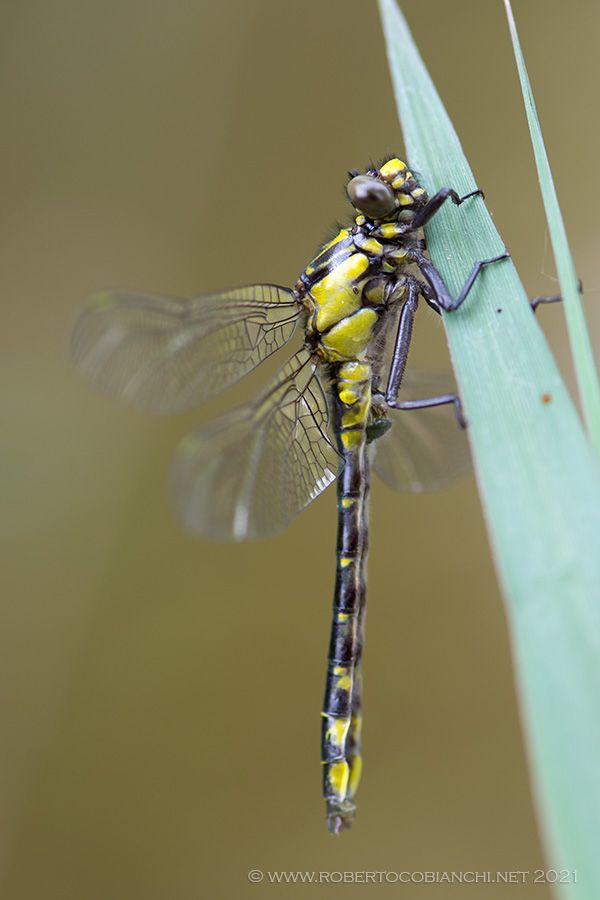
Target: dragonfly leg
{"type": "Point", "coordinates": [441, 296]}
{"type": "Point", "coordinates": [437, 295]}
{"type": "Point", "coordinates": [556, 298]}
{"type": "Point", "coordinates": [428, 402]}
{"type": "Point", "coordinates": [403, 339]}
{"type": "Point", "coordinates": [434, 204]}
{"type": "Point", "coordinates": [399, 359]}
{"type": "Point", "coordinates": [537, 301]}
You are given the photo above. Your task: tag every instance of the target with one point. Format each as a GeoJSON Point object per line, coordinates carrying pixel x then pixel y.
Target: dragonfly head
{"type": "Point", "coordinates": [386, 192]}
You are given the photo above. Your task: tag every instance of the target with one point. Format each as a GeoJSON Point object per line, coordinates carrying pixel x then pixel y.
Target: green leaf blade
{"type": "Point", "coordinates": [581, 346]}
{"type": "Point", "coordinates": [538, 479]}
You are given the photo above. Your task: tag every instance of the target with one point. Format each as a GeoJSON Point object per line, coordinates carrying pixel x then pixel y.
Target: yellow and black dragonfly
{"type": "Point", "coordinates": [337, 404]}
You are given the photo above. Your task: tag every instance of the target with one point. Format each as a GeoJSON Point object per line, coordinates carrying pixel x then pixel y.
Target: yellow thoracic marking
{"type": "Point", "coordinates": [343, 233]}
{"type": "Point", "coordinates": [337, 295]}
{"type": "Point", "coordinates": [347, 502]}
{"type": "Point", "coordinates": [405, 199]}
{"type": "Point", "coordinates": [350, 337]}
{"type": "Point", "coordinates": [389, 230]}
{"type": "Point", "coordinates": [339, 670]}
{"type": "Point", "coordinates": [342, 617]}
{"type": "Point", "coordinates": [371, 245]}
{"type": "Point", "coordinates": [355, 773]}
{"type": "Point", "coordinates": [338, 777]}
{"type": "Point", "coordinates": [398, 257]}
{"type": "Point", "coordinates": [345, 561]}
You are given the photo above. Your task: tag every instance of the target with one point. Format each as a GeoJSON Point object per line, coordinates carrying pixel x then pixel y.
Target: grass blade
{"type": "Point", "coordinates": [581, 347]}
{"type": "Point", "coordinates": [538, 479]}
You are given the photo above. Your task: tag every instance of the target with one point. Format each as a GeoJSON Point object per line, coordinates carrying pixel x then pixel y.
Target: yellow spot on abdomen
{"type": "Point", "coordinates": [348, 396]}
{"type": "Point", "coordinates": [351, 438]}
{"type": "Point", "coordinates": [338, 776]}
{"type": "Point", "coordinates": [358, 413]}
{"type": "Point", "coordinates": [355, 773]}
{"type": "Point", "coordinates": [344, 683]}
{"type": "Point", "coordinates": [351, 336]}
{"type": "Point", "coordinates": [337, 733]}
{"type": "Point", "coordinates": [354, 373]}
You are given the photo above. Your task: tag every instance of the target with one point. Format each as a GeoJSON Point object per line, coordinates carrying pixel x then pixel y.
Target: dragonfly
{"type": "Point", "coordinates": [338, 405]}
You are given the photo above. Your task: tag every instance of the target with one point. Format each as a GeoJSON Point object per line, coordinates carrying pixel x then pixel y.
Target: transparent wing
{"type": "Point", "coordinates": [169, 355]}
{"type": "Point", "coordinates": [245, 475]}
{"type": "Point", "coordinates": [425, 449]}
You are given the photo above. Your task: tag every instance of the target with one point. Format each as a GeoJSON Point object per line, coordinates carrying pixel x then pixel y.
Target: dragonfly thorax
{"type": "Point", "coordinates": [359, 274]}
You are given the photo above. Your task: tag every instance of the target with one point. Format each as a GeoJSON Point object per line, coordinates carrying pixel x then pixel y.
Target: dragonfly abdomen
{"type": "Point", "coordinates": [341, 709]}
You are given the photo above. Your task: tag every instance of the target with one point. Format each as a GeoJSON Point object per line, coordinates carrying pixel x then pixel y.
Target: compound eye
{"type": "Point", "coordinates": [371, 197]}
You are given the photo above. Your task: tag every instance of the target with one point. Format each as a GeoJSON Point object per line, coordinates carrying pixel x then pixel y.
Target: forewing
{"type": "Point", "coordinates": [425, 449]}
{"type": "Point", "coordinates": [245, 475]}
{"type": "Point", "coordinates": [169, 355]}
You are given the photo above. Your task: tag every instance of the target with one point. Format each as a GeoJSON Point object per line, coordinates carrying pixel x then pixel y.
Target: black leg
{"type": "Point", "coordinates": [402, 345]}
{"type": "Point", "coordinates": [433, 401]}
{"type": "Point", "coordinates": [438, 297]}
{"type": "Point", "coordinates": [432, 206]}
{"type": "Point", "coordinates": [441, 294]}
{"type": "Point", "coordinates": [537, 301]}
{"type": "Point", "coordinates": [399, 359]}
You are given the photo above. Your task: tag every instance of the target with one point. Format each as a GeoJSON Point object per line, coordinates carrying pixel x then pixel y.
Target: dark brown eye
{"type": "Point", "coordinates": [371, 197]}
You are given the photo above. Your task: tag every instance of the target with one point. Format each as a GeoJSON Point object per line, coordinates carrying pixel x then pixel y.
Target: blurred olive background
{"type": "Point", "coordinates": [160, 696]}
